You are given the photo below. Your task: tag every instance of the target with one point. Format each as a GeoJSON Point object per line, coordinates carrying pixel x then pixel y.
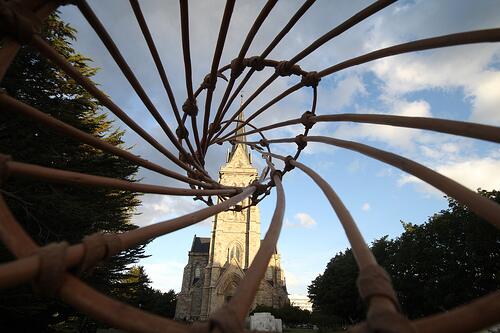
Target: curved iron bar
{"type": "Point", "coordinates": [237, 63]}
{"type": "Point", "coordinates": [471, 317]}
{"type": "Point", "coordinates": [37, 172]}
{"type": "Point", "coordinates": [291, 23]}
{"type": "Point", "coordinates": [212, 76]}
{"type": "Point", "coordinates": [51, 54]}
{"type": "Point", "coordinates": [161, 71]}
{"type": "Point", "coordinates": [30, 266]}
{"type": "Point", "coordinates": [462, 38]}
{"type": "Point", "coordinates": [483, 207]}
{"type": "Point", "coordinates": [106, 39]}
{"type": "Point", "coordinates": [9, 104]}
{"type": "Point", "coordinates": [338, 30]}
{"type": "Point", "coordinates": [461, 128]}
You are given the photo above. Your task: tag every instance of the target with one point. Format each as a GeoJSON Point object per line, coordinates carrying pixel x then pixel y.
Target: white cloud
{"type": "Point", "coordinates": [165, 275]}
{"type": "Point", "coordinates": [486, 98]}
{"type": "Point", "coordinates": [301, 220]}
{"type": "Point", "coordinates": [473, 173]}
{"type": "Point", "coordinates": [366, 206]}
{"type": "Point", "coordinates": [157, 208]}
{"type": "Point", "coordinates": [463, 68]}
{"type": "Point", "coordinates": [343, 94]}
{"type": "Point", "coordinates": [305, 220]}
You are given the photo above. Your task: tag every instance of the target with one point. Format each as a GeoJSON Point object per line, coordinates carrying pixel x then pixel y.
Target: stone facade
{"type": "Point", "coordinates": [216, 265]}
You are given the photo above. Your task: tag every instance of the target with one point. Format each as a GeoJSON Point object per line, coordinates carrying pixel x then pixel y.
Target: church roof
{"type": "Point", "coordinates": [200, 244]}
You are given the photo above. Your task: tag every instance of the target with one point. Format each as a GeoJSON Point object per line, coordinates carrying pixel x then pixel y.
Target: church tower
{"type": "Point", "coordinates": [235, 235]}
{"type": "Point", "coordinates": [217, 264]}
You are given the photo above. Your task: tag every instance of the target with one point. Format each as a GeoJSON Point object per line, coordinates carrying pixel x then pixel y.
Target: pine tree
{"type": "Point", "coordinates": [53, 212]}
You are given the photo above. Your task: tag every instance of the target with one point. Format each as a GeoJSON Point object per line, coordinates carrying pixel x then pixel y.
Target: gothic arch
{"type": "Point", "coordinates": [227, 287]}
{"type": "Point", "coordinates": [235, 250]}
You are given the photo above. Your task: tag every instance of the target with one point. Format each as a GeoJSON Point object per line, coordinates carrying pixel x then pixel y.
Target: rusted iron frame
{"type": "Point", "coordinates": [368, 11]}
{"type": "Point", "coordinates": [59, 60]}
{"type": "Point", "coordinates": [161, 71]}
{"type": "Point", "coordinates": [471, 317]}
{"type": "Point", "coordinates": [260, 133]}
{"type": "Point", "coordinates": [305, 133]}
{"type": "Point", "coordinates": [475, 316]}
{"type": "Point", "coordinates": [483, 207]}
{"type": "Point", "coordinates": [11, 46]}
{"type": "Point", "coordinates": [363, 256]}
{"type": "Point", "coordinates": [9, 104]}
{"type": "Point", "coordinates": [244, 296]}
{"type": "Point", "coordinates": [254, 95]}
{"type": "Point", "coordinates": [264, 13]}
{"type": "Point", "coordinates": [261, 110]}
{"type": "Point", "coordinates": [73, 291]}
{"type": "Point", "coordinates": [295, 18]}
{"type": "Point", "coordinates": [212, 76]}
{"type": "Point", "coordinates": [184, 13]}
{"type": "Point", "coordinates": [113, 50]}
{"type": "Point", "coordinates": [37, 172]}
{"type": "Point", "coordinates": [26, 269]}
{"type": "Point", "coordinates": [461, 128]}
{"type": "Point", "coordinates": [463, 38]}
{"type": "Point", "coordinates": [338, 30]}
{"type": "Point", "coordinates": [487, 302]}
{"type": "Point", "coordinates": [307, 129]}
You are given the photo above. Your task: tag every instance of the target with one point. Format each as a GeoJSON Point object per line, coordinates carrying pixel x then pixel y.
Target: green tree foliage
{"type": "Point", "coordinates": [140, 294]}
{"type": "Point", "coordinates": [451, 259]}
{"type": "Point", "coordinates": [54, 212]}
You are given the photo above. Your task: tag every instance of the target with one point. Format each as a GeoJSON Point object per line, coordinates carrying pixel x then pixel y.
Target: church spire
{"type": "Point", "coordinates": [241, 131]}
{"type": "Point", "coordinates": [241, 119]}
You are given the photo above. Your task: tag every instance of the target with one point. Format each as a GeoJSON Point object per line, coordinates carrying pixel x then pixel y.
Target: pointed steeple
{"type": "Point", "coordinates": [240, 146]}
{"type": "Point", "coordinates": [241, 131]}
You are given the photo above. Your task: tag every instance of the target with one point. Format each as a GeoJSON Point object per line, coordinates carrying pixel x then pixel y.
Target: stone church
{"type": "Point", "coordinates": [217, 264]}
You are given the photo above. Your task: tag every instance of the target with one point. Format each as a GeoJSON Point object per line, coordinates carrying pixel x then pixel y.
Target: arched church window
{"type": "Point", "coordinates": [235, 252]}
{"type": "Point", "coordinates": [197, 272]}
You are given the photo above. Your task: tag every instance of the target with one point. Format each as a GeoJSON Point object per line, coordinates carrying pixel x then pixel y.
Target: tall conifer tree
{"type": "Point", "coordinates": [52, 212]}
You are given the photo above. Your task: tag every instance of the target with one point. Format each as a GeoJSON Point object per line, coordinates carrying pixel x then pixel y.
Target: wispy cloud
{"type": "Point", "coordinates": [301, 220]}
{"type": "Point", "coordinates": [472, 173]}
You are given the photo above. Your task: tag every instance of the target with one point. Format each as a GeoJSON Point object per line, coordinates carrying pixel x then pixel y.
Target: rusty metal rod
{"type": "Point", "coordinates": [24, 270]}
{"type": "Point", "coordinates": [76, 178]}
{"type": "Point", "coordinates": [9, 104]}
{"type": "Point", "coordinates": [461, 128]}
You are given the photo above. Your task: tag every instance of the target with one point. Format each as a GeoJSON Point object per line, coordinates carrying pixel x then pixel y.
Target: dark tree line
{"type": "Point", "coordinates": [289, 314]}
{"type": "Point", "coordinates": [53, 212]}
{"type": "Point", "coordinates": [451, 259]}
{"type": "Point", "coordinates": [142, 295]}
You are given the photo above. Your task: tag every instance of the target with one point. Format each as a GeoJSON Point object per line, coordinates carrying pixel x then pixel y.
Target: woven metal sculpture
{"type": "Point", "coordinates": [47, 267]}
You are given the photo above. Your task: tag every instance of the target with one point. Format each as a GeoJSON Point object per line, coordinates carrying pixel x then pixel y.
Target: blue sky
{"type": "Point", "coordinates": [461, 83]}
